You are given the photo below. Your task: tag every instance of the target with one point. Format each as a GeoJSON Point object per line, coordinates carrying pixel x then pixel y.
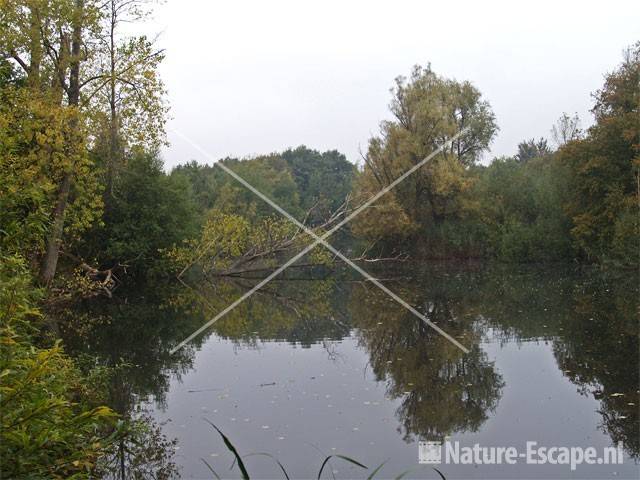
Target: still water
{"type": "Point", "coordinates": [321, 363]}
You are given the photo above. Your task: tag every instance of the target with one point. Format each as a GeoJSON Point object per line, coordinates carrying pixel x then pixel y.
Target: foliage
{"type": "Point", "coordinates": [78, 97]}
{"type": "Point", "coordinates": [532, 149]}
{"type": "Point", "coordinates": [521, 209]}
{"type": "Point", "coordinates": [298, 179]}
{"type": "Point", "coordinates": [48, 429]}
{"type": "Point", "coordinates": [604, 198]}
{"type": "Point", "coordinates": [566, 130]}
{"type": "Point", "coordinates": [215, 189]}
{"type": "Point", "coordinates": [539, 205]}
{"type": "Point", "coordinates": [428, 111]}
{"type": "Point", "coordinates": [149, 211]}
{"type": "Point", "coordinates": [323, 180]}
{"type": "Point", "coordinates": [40, 143]}
{"type": "Point", "coordinates": [230, 244]}
{"type": "Point", "coordinates": [146, 453]}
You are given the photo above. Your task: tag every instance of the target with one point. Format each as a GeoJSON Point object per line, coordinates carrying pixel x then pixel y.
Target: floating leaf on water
{"type": "Point", "coordinates": [617, 395]}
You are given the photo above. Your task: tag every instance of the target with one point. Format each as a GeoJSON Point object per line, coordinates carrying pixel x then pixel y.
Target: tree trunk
{"type": "Point", "coordinates": [114, 134]}
{"type": "Point", "coordinates": [54, 239]}
{"type": "Point", "coordinates": [35, 49]}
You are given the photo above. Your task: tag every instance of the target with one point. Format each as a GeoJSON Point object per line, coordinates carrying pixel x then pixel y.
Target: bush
{"type": "Point", "coordinates": [47, 430]}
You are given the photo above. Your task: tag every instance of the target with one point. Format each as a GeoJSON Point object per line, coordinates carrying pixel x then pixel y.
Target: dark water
{"type": "Point", "coordinates": [317, 365]}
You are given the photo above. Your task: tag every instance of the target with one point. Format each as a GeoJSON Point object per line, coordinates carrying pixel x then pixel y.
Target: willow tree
{"type": "Point", "coordinates": [428, 111]}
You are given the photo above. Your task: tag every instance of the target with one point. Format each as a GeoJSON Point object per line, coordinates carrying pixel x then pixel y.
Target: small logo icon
{"type": "Point", "coordinates": [429, 452]}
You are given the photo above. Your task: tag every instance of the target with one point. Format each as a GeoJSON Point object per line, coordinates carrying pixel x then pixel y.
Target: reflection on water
{"type": "Point", "coordinates": [442, 389]}
{"type": "Point", "coordinates": [319, 363]}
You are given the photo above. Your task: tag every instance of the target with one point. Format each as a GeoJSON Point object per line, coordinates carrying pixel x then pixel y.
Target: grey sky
{"type": "Point", "coordinates": [252, 77]}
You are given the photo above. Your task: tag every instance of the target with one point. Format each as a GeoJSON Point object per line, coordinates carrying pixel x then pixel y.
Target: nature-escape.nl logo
{"type": "Point", "coordinates": [454, 454]}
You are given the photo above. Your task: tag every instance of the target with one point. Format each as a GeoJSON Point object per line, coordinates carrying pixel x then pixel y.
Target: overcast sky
{"type": "Point", "coordinates": [252, 77]}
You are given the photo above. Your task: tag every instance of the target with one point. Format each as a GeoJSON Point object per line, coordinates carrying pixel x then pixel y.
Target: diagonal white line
{"type": "Point", "coordinates": [348, 261]}
{"type": "Point", "coordinates": [321, 240]}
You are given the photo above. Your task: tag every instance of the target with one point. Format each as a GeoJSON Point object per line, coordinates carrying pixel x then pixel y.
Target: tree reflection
{"type": "Point", "coordinates": [442, 389]}
{"type": "Point", "coordinates": [132, 336]}
{"type": "Point", "coordinates": [598, 351]}
{"type": "Point", "coordinates": [298, 311]}
{"type": "Point", "coordinates": [589, 318]}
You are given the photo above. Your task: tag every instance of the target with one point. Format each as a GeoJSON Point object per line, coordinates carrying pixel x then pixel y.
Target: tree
{"type": "Point", "coordinates": [151, 211]}
{"type": "Point", "coordinates": [61, 47]}
{"type": "Point", "coordinates": [429, 110]}
{"type": "Point", "coordinates": [324, 179]}
{"type": "Point", "coordinates": [566, 129]}
{"type": "Point", "coordinates": [46, 38]}
{"type": "Point", "coordinates": [126, 100]}
{"type": "Point", "coordinates": [532, 149]}
{"type": "Point", "coordinates": [41, 144]}
{"type": "Point", "coordinates": [604, 198]}
{"type": "Point", "coordinates": [308, 184]}
{"type": "Point", "coordinates": [520, 205]}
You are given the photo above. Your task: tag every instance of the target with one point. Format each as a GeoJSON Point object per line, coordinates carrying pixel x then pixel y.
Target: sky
{"type": "Point", "coordinates": [252, 77]}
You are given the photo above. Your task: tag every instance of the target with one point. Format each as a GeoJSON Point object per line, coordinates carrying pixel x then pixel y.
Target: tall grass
{"type": "Point", "coordinates": [245, 474]}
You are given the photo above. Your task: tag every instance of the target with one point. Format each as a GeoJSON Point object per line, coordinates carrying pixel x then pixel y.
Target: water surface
{"type": "Point", "coordinates": [319, 364]}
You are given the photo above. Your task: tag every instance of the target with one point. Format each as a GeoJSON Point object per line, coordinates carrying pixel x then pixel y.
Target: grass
{"type": "Point", "coordinates": [245, 473]}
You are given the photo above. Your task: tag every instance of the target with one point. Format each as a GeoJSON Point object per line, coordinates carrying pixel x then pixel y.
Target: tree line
{"type": "Point", "coordinates": [577, 202]}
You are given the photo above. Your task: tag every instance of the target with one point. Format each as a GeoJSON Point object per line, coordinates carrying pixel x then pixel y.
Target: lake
{"type": "Point", "coordinates": [320, 363]}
